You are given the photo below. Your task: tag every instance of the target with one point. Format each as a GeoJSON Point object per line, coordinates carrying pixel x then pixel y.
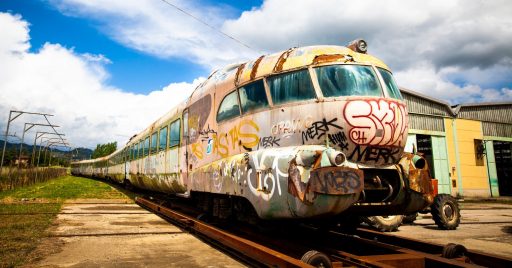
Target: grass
{"type": "Point", "coordinates": [26, 213]}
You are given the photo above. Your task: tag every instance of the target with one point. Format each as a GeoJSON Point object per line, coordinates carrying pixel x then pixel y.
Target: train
{"type": "Point", "coordinates": [310, 132]}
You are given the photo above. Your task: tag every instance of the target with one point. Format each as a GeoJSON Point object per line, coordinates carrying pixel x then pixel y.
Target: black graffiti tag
{"type": "Point", "coordinates": [269, 141]}
{"type": "Point", "coordinates": [374, 154]}
{"type": "Point", "coordinates": [344, 181]}
{"type": "Point", "coordinates": [339, 139]}
{"type": "Point", "coordinates": [318, 129]}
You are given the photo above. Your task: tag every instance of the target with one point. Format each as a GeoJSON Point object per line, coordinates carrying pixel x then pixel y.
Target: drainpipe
{"type": "Point", "coordinates": [457, 158]}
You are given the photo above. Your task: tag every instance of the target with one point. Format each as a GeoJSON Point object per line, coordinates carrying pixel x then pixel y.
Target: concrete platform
{"type": "Point", "coordinates": [107, 233]}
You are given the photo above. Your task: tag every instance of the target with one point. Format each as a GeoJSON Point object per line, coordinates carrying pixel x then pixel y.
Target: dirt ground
{"type": "Point", "coordinates": [484, 227]}
{"type": "Point", "coordinates": [109, 233]}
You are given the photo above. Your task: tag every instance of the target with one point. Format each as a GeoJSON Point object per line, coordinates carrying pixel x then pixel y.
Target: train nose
{"type": "Point", "coordinates": [322, 171]}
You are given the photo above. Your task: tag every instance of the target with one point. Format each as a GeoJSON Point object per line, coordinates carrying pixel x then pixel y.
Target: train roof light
{"type": "Point", "coordinates": [358, 45]}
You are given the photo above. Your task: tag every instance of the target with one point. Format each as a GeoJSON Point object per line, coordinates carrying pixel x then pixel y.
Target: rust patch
{"type": "Point", "coordinates": [238, 72]}
{"type": "Point", "coordinates": [336, 180]}
{"type": "Point", "coordinates": [326, 180]}
{"type": "Point", "coordinates": [418, 175]}
{"type": "Point", "coordinates": [255, 67]}
{"type": "Point", "coordinates": [282, 60]}
{"type": "Point", "coordinates": [329, 58]}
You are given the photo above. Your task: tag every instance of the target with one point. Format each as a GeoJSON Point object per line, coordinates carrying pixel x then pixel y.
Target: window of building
{"type": "Point", "coordinates": [348, 80]}
{"type": "Point", "coordinates": [479, 152]}
{"type": "Point", "coordinates": [293, 86]}
{"type": "Point", "coordinates": [229, 107]}
{"type": "Point", "coordinates": [390, 84]}
{"type": "Point", "coordinates": [162, 139]}
{"type": "Point", "coordinates": [174, 134]}
{"type": "Point", "coordinates": [146, 146]}
{"type": "Point", "coordinates": [253, 96]}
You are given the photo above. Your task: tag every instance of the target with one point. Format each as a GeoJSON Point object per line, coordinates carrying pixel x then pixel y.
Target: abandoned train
{"type": "Point", "coordinates": [309, 132]}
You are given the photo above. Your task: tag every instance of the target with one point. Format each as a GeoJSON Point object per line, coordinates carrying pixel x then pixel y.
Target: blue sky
{"type": "Point", "coordinates": [107, 69]}
{"type": "Point", "coordinates": [130, 70]}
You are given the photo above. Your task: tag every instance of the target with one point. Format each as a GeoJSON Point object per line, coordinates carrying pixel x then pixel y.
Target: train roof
{"type": "Point", "coordinates": [237, 74]}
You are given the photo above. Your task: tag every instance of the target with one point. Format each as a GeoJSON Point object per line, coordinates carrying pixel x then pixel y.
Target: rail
{"type": "Point", "coordinates": [364, 248]}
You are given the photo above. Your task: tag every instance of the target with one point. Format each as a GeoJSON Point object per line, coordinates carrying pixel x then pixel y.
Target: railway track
{"type": "Point", "coordinates": [294, 245]}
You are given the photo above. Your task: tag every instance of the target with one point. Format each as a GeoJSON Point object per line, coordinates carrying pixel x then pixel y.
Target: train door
{"type": "Point", "coordinates": [503, 158]}
{"type": "Point", "coordinates": [184, 151]}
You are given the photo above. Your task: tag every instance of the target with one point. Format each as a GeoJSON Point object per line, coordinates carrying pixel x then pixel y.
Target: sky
{"type": "Point", "coordinates": [107, 69]}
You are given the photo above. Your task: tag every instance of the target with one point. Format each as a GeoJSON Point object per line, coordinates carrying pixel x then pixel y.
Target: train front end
{"type": "Point", "coordinates": [350, 154]}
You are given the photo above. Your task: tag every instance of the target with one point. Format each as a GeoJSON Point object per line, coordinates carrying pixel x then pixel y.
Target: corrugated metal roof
{"type": "Point", "coordinates": [496, 129]}
{"type": "Point", "coordinates": [490, 112]}
{"type": "Point", "coordinates": [418, 103]}
{"type": "Point", "coordinates": [426, 122]}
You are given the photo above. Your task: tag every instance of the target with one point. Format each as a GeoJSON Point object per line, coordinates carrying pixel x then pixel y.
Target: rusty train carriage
{"type": "Point", "coordinates": [281, 133]}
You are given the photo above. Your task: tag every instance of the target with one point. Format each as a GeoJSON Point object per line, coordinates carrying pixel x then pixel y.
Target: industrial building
{"type": "Point", "coordinates": [468, 146]}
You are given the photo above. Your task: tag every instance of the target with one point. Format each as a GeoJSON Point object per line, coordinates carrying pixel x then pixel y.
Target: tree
{"type": "Point", "coordinates": [104, 149]}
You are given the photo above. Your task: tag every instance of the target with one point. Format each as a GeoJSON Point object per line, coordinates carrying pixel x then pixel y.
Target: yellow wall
{"type": "Point", "coordinates": [473, 179]}
{"type": "Point", "coordinates": [450, 146]}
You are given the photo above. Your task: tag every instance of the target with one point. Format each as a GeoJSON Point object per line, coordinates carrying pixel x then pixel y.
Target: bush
{"type": "Point", "coordinates": [12, 177]}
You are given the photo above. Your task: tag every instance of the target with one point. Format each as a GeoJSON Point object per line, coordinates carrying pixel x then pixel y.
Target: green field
{"type": "Point", "coordinates": [26, 213]}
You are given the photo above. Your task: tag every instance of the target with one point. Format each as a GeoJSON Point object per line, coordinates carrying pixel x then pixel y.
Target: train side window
{"type": "Point", "coordinates": [292, 86]}
{"type": "Point", "coordinates": [229, 107]}
{"type": "Point", "coordinates": [390, 84]}
{"type": "Point", "coordinates": [154, 146]}
{"type": "Point", "coordinates": [162, 139]}
{"type": "Point", "coordinates": [252, 96]}
{"type": "Point", "coordinates": [348, 80]}
{"type": "Point", "coordinates": [174, 133]}
{"type": "Point", "coordinates": [140, 149]}
{"type": "Point", "coordinates": [146, 146]}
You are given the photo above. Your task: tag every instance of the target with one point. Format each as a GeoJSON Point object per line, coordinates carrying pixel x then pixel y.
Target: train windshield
{"type": "Point", "coordinates": [293, 86]}
{"type": "Point", "coordinates": [348, 80]}
{"type": "Point", "coordinates": [390, 84]}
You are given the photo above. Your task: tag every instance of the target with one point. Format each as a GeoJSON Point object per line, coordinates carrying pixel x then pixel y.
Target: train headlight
{"type": "Point", "coordinates": [358, 45]}
{"type": "Point", "coordinates": [336, 158]}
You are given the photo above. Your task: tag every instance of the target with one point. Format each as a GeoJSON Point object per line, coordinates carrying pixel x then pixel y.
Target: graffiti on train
{"type": "Point", "coordinates": [319, 129]}
{"type": "Point", "coordinates": [270, 168]}
{"type": "Point", "coordinates": [376, 122]}
{"type": "Point", "coordinates": [387, 155]}
{"type": "Point", "coordinates": [268, 142]}
{"type": "Point", "coordinates": [242, 135]}
{"type": "Point", "coordinates": [287, 128]}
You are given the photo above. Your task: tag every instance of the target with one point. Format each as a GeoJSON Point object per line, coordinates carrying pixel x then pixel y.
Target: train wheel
{"type": "Point", "coordinates": [410, 218]}
{"type": "Point", "coordinates": [445, 212]}
{"type": "Point", "coordinates": [452, 250]}
{"type": "Point", "coordinates": [385, 223]}
{"type": "Point", "coordinates": [316, 259]}
{"type": "Point", "coordinates": [128, 186]}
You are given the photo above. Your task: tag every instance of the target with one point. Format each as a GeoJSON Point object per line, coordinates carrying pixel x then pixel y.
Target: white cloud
{"type": "Point", "coordinates": [72, 86]}
{"type": "Point", "coordinates": [445, 48]}
{"type": "Point", "coordinates": [466, 44]}
{"type": "Point", "coordinates": [159, 29]}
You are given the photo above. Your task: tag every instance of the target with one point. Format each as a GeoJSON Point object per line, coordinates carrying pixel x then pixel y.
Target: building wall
{"type": "Point", "coordinates": [471, 174]}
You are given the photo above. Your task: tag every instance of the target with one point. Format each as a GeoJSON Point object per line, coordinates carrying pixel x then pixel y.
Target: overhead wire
{"type": "Point", "coordinates": [208, 25]}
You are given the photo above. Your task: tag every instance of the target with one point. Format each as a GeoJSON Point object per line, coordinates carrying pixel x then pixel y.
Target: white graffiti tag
{"type": "Point", "coordinates": [268, 171]}
{"type": "Point", "coordinates": [376, 122]}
